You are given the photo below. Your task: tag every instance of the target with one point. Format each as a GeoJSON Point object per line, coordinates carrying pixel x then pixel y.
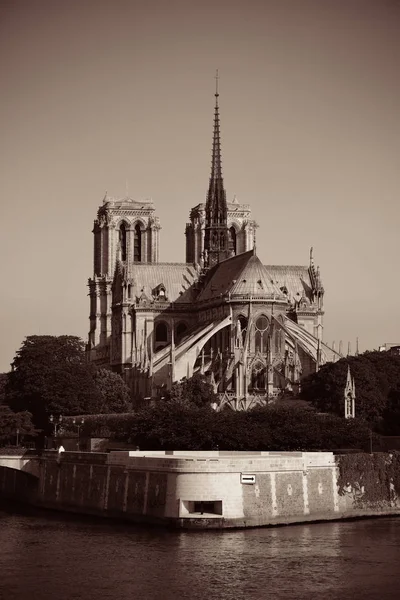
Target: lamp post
{"type": "Point", "coordinates": [78, 424]}
{"type": "Point", "coordinates": [56, 423]}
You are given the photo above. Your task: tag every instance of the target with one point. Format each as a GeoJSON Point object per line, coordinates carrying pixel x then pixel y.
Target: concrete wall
{"type": "Point", "coordinates": [199, 489]}
{"type": "Point", "coordinates": [26, 463]}
{"type": "Point", "coordinates": [203, 489]}
{"type": "Point", "coordinates": [18, 485]}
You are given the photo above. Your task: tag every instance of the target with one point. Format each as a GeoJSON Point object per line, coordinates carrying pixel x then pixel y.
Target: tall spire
{"type": "Point", "coordinates": [216, 228]}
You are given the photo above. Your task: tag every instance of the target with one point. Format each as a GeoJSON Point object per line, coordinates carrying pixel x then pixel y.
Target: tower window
{"type": "Point", "coordinates": [122, 241]}
{"type": "Point", "coordinates": [232, 240]}
{"type": "Point", "coordinates": [137, 244]}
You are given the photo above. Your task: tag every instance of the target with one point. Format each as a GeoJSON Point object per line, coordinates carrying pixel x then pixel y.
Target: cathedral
{"type": "Point", "coordinates": [253, 330]}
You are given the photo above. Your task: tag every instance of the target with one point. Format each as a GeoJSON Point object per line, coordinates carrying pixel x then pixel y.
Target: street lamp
{"type": "Point", "coordinates": [56, 424]}
{"type": "Point", "coordinates": [78, 424]}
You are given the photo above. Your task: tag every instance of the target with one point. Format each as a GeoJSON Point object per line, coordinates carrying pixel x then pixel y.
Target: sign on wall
{"type": "Point", "coordinates": [245, 478]}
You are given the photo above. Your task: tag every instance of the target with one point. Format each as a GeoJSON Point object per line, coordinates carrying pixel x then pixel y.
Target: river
{"type": "Point", "coordinates": [49, 556]}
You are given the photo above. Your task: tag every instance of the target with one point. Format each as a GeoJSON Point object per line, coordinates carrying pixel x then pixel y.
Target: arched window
{"type": "Point", "coordinates": [122, 240]}
{"type": "Point", "coordinates": [261, 336]}
{"type": "Point", "coordinates": [137, 244]}
{"type": "Point", "coordinates": [162, 332]}
{"type": "Point", "coordinates": [258, 379]}
{"type": "Point", "coordinates": [242, 326]}
{"type": "Point", "coordinates": [180, 331]}
{"type": "Point", "coordinates": [232, 240]}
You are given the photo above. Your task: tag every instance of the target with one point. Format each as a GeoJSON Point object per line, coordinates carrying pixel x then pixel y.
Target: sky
{"type": "Point", "coordinates": [107, 96]}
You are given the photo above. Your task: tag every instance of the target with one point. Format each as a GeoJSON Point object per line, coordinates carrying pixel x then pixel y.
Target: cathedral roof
{"type": "Point", "coordinates": [176, 278]}
{"type": "Point", "coordinates": [296, 279]}
{"type": "Point", "coordinates": [241, 275]}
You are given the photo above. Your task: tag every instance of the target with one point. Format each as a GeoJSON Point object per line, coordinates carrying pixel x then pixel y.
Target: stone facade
{"type": "Point", "coordinates": [255, 330]}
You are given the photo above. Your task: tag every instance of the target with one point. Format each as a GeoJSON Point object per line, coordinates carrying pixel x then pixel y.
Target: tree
{"type": "Point", "coordinates": [375, 375]}
{"type": "Point", "coordinates": [173, 425]}
{"type": "Point", "coordinates": [3, 384]}
{"type": "Point", "coordinates": [50, 375]}
{"type": "Point", "coordinates": [11, 423]}
{"type": "Point", "coordinates": [196, 391]}
{"type": "Point", "coordinates": [114, 392]}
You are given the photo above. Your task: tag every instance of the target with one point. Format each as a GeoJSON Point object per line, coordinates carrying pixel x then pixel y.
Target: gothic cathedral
{"type": "Point", "coordinates": [254, 330]}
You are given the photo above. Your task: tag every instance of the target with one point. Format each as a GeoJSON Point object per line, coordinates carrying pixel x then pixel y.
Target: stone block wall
{"type": "Point", "coordinates": [207, 489]}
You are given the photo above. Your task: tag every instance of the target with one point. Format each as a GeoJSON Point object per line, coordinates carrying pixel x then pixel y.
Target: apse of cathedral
{"type": "Point", "coordinates": [253, 330]}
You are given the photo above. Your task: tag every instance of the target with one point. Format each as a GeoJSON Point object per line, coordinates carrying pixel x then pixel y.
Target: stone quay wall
{"type": "Point", "coordinates": [201, 490]}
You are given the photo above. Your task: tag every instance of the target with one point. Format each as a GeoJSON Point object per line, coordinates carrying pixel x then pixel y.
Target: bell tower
{"type": "Point", "coordinates": [126, 232]}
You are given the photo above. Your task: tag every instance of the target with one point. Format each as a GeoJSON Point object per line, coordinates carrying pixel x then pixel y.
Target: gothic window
{"type": "Point", "coordinates": [232, 240]}
{"type": "Point", "coordinates": [278, 337]}
{"type": "Point", "coordinates": [261, 335]}
{"type": "Point", "coordinates": [129, 290]}
{"type": "Point", "coordinates": [137, 244]}
{"type": "Point", "coordinates": [242, 326]}
{"type": "Point", "coordinates": [122, 240]}
{"type": "Point", "coordinates": [180, 331]}
{"type": "Point", "coordinates": [258, 381]}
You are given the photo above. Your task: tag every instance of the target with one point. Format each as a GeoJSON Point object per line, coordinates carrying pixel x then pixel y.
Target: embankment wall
{"type": "Point", "coordinates": [196, 490]}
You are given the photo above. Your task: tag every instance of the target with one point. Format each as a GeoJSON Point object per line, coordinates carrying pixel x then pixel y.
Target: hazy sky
{"type": "Point", "coordinates": [94, 93]}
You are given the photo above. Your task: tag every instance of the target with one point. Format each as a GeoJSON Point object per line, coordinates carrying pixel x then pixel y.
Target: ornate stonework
{"type": "Point", "coordinates": [253, 330]}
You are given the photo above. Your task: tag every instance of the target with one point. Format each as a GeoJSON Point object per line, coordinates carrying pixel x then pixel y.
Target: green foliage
{"type": "Point", "coordinates": [117, 426]}
{"type": "Point", "coordinates": [3, 384]}
{"type": "Point", "coordinates": [173, 426]}
{"type": "Point", "coordinates": [113, 390]}
{"type": "Point", "coordinates": [376, 375]}
{"type": "Point", "coordinates": [10, 422]}
{"type": "Point", "coordinates": [177, 425]}
{"type": "Point", "coordinates": [391, 414]}
{"type": "Point", "coordinates": [373, 479]}
{"type": "Point", "coordinates": [194, 391]}
{"type": "Point", "coordinates": [50, 375]}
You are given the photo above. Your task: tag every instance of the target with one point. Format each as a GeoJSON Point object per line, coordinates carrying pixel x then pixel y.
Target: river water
{"type": "Point", "coordinates": [47, 556]}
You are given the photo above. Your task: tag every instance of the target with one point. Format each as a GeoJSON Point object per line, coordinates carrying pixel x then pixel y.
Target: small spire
{"type": "Point", "coordinates": [357, 350]}
{"type": "Point", "coordinates": [349, 396]}
{"type": "Point", "coordinates": [311, 257]}
{"type": "Point", "coordinates": [216, 84]}
{"type": "Point", "coordinates": [349, 349]}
